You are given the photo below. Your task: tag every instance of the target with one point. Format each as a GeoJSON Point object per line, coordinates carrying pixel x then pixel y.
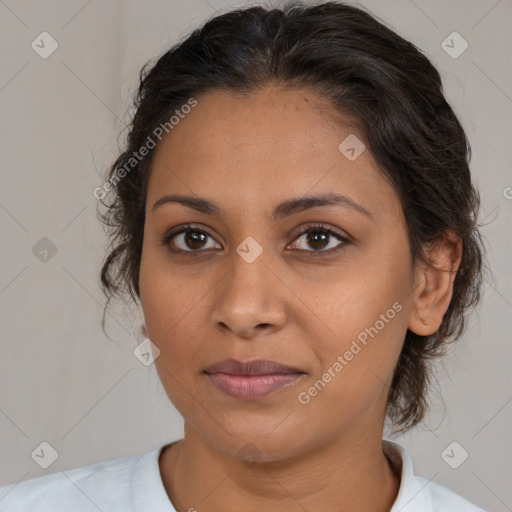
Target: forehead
{"type": "Point", "coordinates": [274, 143]}
{"type": "Point", "coordinates": [274, 117]}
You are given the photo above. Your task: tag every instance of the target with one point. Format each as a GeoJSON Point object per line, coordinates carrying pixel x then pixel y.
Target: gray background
{"type": "Point", "coordinates": [61, 380]}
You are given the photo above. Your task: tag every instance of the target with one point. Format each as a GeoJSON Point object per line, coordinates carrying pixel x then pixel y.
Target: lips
{"type": "Point", "coordinates": [257, 367]}
{"type": "Point", "coordinates": [253, 379]}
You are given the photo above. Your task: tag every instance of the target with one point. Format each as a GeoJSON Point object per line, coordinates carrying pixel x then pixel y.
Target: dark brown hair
{"type": "Point", "coordinates": [365, 71]}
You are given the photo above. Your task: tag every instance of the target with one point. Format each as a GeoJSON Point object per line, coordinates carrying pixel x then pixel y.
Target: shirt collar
{"type": "Point", "coordinates": [147, 491]}
{"type": "Point", "coordinates": [146, 485]}
{"type": "Point", "coordinates": [414, 493]}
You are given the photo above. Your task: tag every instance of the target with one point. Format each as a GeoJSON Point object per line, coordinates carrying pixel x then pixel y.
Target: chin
{"type": "Point", "coordinates": [255, 445]}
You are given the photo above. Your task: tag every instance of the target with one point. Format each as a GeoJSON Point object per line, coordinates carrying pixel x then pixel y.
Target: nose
{"type": "Point", "coordinates": [247, 301]}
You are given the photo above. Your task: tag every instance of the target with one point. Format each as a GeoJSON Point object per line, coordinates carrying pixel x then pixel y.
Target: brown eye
{"type": "Point", "coordinates": [194, 239]}
{"type": "Point", "coordinates": [320, 239]}
{"type": "Point", "coordinates": [188, 239]}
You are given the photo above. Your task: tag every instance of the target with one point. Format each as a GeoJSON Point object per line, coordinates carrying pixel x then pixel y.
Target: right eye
{"type": "Point", "coordinates": [187, 239]}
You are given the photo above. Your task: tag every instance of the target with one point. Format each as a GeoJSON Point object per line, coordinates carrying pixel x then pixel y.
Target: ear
{"type": "Point", "coordinates": [434, 284]}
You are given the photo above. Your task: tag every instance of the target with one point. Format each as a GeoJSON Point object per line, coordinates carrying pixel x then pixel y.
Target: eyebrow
{"type": "Point", "coordinates": [283, 209]}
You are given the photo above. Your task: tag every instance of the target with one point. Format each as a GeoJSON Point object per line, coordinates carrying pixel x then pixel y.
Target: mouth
{"type": "Point", "coordinates": [253, 379]}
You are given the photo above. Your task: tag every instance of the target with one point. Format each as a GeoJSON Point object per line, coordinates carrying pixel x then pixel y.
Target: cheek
{"type": "Point", "coordinates": [355, 370]}
{"type": "Point", "coordinates": [360, 304]}
{"type": "Point", "coordinates": [358, 332]}
{"type": "Point", "coordinates": [174, 317]}
{"type": "Point", "coordinates": [170, 311]}
{"type": "Point", "coordinates": [367, 341]}
{"type": "Point", "coordinates": [166, 296]}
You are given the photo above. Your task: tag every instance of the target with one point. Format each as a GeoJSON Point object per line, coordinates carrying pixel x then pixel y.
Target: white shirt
{"type": "Point", "coordinates": [134, 484]}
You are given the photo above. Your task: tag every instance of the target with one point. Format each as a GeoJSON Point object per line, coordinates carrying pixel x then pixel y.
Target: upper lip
{"type": "Point", "coordinates": [255, 367]}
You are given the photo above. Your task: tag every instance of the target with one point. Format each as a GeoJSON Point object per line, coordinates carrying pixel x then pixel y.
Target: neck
{"type": "Point", "coordinates": [348, 471]}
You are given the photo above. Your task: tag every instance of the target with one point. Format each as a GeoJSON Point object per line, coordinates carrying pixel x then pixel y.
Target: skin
{"type": "Point", "coordinates": [247, 154]}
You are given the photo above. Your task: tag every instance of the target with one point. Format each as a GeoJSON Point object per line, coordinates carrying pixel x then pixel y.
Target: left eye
{"type": "Point", "coordinates": [320, 239]}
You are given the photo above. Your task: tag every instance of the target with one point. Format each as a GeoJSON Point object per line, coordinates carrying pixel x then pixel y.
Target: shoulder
{"type": "Point", "coordinates": [417, 494]}
{"type": "Point", "coordinates": [445, 500]}
{"type": "Point", "coordinates": [78, 489]}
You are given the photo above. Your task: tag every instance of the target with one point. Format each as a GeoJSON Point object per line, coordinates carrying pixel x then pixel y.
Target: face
{"type": "Point", "coordinates": [246, 281]}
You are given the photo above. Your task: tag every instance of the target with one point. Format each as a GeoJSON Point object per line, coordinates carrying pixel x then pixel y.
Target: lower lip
{"type": "Point", "coordinates": [248, 387]}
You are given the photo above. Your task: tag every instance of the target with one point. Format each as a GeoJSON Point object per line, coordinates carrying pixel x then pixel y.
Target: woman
{"type": "Point", "coordinates": [295, 213]}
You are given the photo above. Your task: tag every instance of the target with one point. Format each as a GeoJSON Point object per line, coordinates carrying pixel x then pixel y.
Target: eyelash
{"type": "Point", "coordinates": [314, 228]}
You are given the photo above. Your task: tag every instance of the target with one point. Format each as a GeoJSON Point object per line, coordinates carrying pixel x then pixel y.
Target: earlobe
{"type": "Point", "coordinates": [434, 284]}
